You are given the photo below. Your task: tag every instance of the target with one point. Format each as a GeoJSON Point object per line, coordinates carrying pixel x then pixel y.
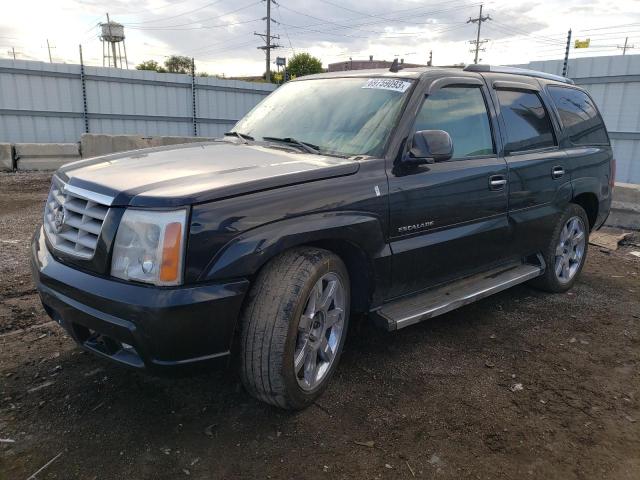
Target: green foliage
{"type": "Point", "coordinates": [178, 64]}
{"type": "Point", "coordinates": [151, 65]}
{"type": "Point", "coordinates": [277, 77]}
{"type": "Point", "coordinates": [274, 75]}
{"type": "Point", "coordinates": [303, 64]}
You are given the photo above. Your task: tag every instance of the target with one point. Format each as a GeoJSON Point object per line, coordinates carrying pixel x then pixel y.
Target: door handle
{"type": "Point", "coordinates": [557, 172]}
{"type": "Point", "coordinates": [497, 182]}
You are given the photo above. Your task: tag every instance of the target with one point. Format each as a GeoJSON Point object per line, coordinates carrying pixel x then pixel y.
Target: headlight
{"type": "Point", "coordinates": [149, 247]}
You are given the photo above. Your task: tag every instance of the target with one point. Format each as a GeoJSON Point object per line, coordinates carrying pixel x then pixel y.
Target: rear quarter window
{"type": "Point", "coordinates": [526, 120]}
{"type": "Point", "coordinates": [579, 116]}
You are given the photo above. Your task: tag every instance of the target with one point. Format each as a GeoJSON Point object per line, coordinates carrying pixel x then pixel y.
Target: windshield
{"type": "Point", "coordinates": [345, 116]}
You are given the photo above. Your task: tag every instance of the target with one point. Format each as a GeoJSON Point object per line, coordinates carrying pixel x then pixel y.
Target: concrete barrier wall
{"type": "Point", "coordinates": [625, 209]}
{"type": "Point", "coordinates": [93, 145]}
{"type": "Point", "coordinates": [6, 157]}
{"type": "Point", "coordinates": [51, 156]}
{"type": "Point", "coordinates": [45, 156]}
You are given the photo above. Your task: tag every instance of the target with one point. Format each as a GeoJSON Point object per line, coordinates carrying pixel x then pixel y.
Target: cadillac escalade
{"type": "Point", "coordinates": [401, 194]}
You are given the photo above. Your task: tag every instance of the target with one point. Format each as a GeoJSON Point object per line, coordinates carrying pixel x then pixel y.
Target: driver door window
{"type": "Point", "coordinates": [462, 113]}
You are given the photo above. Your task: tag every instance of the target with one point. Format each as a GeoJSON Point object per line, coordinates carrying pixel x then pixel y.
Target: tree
{"type": "Point", "coordinates": [304, 64]}
{"type": "Point", "coordinates": [151, 65]}
{"type": "Point", "coordinates": [178, 64]}
{"type": "Point", "coordinates": [273, 75]}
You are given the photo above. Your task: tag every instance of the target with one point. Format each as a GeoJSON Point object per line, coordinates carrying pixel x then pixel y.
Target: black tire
{"type": "Point", "coordinates": [270, 320]}
{"type": "Point", "coordinates": [549, 282]}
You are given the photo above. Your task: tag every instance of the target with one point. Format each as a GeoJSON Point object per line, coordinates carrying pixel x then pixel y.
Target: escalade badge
{"type": "Point", "coordinates": [418, 226]}
{"type": "Point", "coordinates": [58, 218]}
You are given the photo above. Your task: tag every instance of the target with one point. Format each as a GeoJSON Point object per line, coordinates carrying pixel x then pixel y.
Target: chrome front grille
{"type": "Point", "coordinates": [73, 218]}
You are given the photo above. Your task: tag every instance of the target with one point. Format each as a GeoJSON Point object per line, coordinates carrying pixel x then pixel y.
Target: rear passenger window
{"type": "Point", "coordinates": [462, 113]}
{"type": "Point", "coordinates": [579, 116]}
{"type": "Point", "coordinates": [526, 121]}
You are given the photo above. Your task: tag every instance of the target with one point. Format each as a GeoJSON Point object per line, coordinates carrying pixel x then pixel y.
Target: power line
{"type": "Point", "coordinates": [610, 27]}
{"type": "Point", "coordinates": [165, 27]}
{"type": "Point", "coordinates": [286, 32]}
{"type": "Point", "coordinates": [172, 3]}
{"type": "Point", "coordinates": [385, 15]}
{"type": "Point", "coordinates": [379, 21]}
{"type": "Point", "coordinates": [529, 34]}
{"type": "Point", "coordinates": [176, 16]}
{"type": "Point", "coordinates": [201, 27]}
{"type": "Point", "coordinates": [505, 29]}
{"type": "Point", "coordinates": [387, 36]}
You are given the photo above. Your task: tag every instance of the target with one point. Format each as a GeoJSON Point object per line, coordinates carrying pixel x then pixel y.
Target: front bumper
{"type": "Point", "coordinates": [144, 327]}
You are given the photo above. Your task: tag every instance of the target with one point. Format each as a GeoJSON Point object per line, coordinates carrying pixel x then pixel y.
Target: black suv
{"type": "Point", "coordinates": [402, 194]}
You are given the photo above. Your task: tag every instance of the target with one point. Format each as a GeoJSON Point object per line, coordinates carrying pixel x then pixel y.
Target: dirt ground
{"type": "Point", "coordinates": [520, 385]}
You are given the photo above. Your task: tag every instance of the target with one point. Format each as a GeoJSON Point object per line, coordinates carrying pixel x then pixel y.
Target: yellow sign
{"type": "Point", "coordinates": [582, 43]}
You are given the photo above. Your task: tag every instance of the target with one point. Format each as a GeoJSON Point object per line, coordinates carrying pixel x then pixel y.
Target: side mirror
{"type": "Point", "coordinates": [430, 146]}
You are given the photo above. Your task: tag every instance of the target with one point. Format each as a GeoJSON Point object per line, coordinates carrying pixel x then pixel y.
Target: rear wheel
{"type": "Point", "coordinates": [294, 326]}
{"type": "Point", "coordinates": [567, 251]}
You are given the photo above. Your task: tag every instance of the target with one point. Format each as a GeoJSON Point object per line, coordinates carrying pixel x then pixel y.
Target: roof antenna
{"type": "Point", "coordinates": [395, 67]}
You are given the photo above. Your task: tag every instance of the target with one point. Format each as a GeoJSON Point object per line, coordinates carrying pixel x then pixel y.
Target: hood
{"type": "Point", "coordinates": [199, 172]}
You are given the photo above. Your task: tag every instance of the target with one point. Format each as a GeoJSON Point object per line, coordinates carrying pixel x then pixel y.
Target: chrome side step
{"type": "Point", "coordinates": [407, 311]}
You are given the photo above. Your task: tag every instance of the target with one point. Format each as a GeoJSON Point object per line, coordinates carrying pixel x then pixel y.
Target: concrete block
{"type": "Point", "coordinates": [627, 193]}
{"type": "Point", "coordinates": [7, 162]}
{"type": "Point", "coordinates": [47, 150]}
{"type": "Point", "coordinates": [625, 208]}
{"type": "Point", "coordinates": [93, 145]}
{"type": "Point", "coordinates": [45, 156]}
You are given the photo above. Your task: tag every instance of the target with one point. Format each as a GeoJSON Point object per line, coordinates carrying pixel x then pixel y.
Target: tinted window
{"type": "Point", "coordinates": [347, 116]}
{"type": "Point", "coordinates": [579, 116]}
{"type": "Point", "coordinates": [462, 113]}
{"type": "Point", "coordinates": [526, 120]}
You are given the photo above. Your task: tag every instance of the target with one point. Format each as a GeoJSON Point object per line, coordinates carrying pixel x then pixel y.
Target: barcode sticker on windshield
{"type": "Point", "coordinates": [388, 84]}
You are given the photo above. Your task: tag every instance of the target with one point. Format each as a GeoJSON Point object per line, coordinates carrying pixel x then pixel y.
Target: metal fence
{"type": "Point", "coordinates": [43, 102]}
{"type": "Point", "coordinates": [614, 84]}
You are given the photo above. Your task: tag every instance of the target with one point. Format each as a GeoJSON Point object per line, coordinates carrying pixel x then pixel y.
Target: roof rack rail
{"type": "Point", "coordinates": [516, 71]}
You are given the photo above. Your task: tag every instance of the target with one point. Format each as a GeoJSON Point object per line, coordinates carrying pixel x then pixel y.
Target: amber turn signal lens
{"type": "Point", "coordinates": [169, 271]}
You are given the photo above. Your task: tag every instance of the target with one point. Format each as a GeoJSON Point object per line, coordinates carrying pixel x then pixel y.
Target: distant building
{"type": "Point", "coordinates": [366, 64]}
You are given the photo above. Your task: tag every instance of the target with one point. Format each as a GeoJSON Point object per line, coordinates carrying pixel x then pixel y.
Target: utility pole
{"type": "Point", "coordinates": [268, 50]}
{"type": "Point", "coordinates": [626, 46]}
{"type": "Point", "coordinates": [49, 49]}
{"type": "Point", "coordinates": [430, 62]}
{"type": "Point", "coordinates": [13, 51]}
{"type": "Point", "coordinates": [267, 38]}
{"type": "Point", "coordinates": [477, 41]}
{"type": "Point", "coordinates": [565, 66]}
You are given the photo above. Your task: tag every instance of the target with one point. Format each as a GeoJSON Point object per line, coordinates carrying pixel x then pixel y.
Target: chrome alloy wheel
{"type": "Point", "coordinates": [570, 249]}
{"type": "Point", "coordinates": [320, 330]}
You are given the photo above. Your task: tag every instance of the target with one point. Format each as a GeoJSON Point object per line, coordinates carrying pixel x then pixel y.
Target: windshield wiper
{"type": "Point", "coordinates": [242, 136]}
{"type": "Point", "coordinates": [307, 147]}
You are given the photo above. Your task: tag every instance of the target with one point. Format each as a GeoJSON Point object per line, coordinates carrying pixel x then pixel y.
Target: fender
{"type": "Point", "coordinates": [591, 168]}
{"type": "Point", "coordinates": [245, 254]}
{"type": "Point", "coordinates": [591, 185]}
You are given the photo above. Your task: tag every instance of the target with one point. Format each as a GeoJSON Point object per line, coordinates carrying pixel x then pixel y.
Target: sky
{"type": "Point", "coordinates": [220, 36]}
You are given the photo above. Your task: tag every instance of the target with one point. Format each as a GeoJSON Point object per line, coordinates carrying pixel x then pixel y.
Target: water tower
{"type": "Point", "coordinates": [112, 35]}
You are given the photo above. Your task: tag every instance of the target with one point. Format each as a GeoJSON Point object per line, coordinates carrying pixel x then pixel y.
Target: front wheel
{"type": "Point", "coordinates": [294, 326]}
{"type": "Point", "coordinates": [566, 252]}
